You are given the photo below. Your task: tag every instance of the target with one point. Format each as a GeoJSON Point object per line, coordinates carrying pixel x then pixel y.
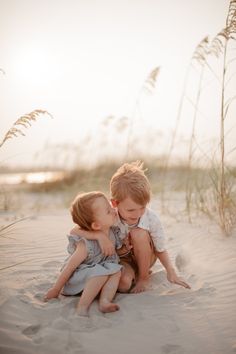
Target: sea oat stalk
{"type": "Point", "coordinates": [24, 121]}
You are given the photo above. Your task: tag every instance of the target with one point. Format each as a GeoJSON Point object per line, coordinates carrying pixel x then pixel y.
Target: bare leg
{"type": "Point", "coordinates": [92, 288]}
{"type": "Point", "coordinates": [144, 258]}
{"type": "Point", "coordinates": [127, 278]}
{"type": "Point", "coordinates": [108, 292]}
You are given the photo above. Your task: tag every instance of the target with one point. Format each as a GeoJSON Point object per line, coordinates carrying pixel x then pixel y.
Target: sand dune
{"type": "Point", "coordinates": [165, 319]}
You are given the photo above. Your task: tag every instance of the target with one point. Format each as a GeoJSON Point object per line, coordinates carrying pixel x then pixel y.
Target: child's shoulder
{"type": "Point", "coordinates": [73, 237]}
{"type": "Point", "coordinates": [75, 240]}
{"type": "Point", "coordinates": [74, 231]}
{"type": "Point", "coordinates": [151, 218]}
{"type": "Point", "coordinates": [151, 213]}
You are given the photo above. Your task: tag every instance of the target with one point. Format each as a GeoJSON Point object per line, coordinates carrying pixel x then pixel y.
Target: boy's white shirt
{"type": "Point", "coordinates": [150, 222]}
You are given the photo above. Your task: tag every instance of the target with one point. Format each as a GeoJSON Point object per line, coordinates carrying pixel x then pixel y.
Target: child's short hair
{"type": "Point", "coordinates": [130, 181]}
{"type": "Point", "coordinates": [82, 209]}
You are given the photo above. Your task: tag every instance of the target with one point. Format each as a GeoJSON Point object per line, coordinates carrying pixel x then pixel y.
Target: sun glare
{"type": "Point", "coordinates": [31, 65]}
{"type": "Point", "coordinates": [31, 177]}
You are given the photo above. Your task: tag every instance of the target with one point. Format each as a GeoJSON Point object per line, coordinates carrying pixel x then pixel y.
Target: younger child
{"type": "Point", "coordinates": [87, 269]}
{"type": "Point", "coordinates": [130, 194]}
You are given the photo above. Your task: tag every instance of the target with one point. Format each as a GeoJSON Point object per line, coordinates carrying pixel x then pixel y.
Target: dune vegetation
{"type": "Point", "coordinates": [205, 178]}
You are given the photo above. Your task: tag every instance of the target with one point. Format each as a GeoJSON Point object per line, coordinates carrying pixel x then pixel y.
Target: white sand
{"type": "Point", "coordinates": [166, 319]}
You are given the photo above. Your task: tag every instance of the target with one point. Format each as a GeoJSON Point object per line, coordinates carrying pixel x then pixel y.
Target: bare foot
{"type": "Point", "coordinates": [140, 286]}
{"type": "Point", "coordinates": [82, 311]}
{"type": "Point", "coordinates": [108, 307]}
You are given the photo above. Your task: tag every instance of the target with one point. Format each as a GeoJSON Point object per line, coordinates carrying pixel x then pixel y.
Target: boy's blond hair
{"type": "Point", "coordinates": [82, 209]}
{"type": "Point", "coordinates": [130, 181]}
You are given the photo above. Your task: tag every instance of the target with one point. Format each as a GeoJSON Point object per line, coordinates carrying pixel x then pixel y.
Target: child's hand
{"type": "Point", "coordinates": [51, 294]}
{"type": "Point", "coordinates": [107, 247]}
{"type": "Point", "coordinates": [173, 278]}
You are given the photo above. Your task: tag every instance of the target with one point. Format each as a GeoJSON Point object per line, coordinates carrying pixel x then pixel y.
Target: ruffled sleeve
{"type": "Point", "coordinates": [73, 241]}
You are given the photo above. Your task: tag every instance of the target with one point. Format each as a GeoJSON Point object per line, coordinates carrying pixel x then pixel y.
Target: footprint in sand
{"type": "Point", "coordinates": [31, 330]}
{"type": "Point", "coordinates": [51, 264]}
{"type": "Point", "coordinates": [181, 261]}
{"type": "Point", "coordinates": [172, 349]}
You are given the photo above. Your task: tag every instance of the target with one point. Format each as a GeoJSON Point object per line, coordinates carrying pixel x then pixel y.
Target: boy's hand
{"type": "Point", "coordinates": [107, 247]}
{"type": "Point", "coordinates": [173, 278]}
{"type": "Point", "coordinates": [51, 294]}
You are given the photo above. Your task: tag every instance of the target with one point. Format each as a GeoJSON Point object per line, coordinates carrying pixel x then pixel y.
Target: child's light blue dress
{"type": "Point", "coordinates": [96, 264]}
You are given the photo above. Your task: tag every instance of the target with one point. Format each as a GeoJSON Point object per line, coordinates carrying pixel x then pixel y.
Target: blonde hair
{"type": "Point", "coordinates": [82, 209]}
{"type": "Point", "coordinates": [130, 181]}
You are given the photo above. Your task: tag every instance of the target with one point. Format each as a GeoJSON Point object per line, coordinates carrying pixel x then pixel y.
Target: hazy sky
{"type": "Point", "coordinates": [85, 60]}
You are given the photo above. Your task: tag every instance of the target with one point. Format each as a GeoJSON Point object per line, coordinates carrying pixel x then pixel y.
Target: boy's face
{"type": "Point", "coordinates": [129, 211]}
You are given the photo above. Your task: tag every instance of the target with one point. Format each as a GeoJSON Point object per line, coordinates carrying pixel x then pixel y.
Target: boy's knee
{"type": "Point", "coordinates": [125, 284]}
{"type": "Point", "coordinates": [139, 236]}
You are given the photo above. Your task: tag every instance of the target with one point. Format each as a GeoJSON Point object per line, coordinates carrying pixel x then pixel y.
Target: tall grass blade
{"type": "Point", "coordinates": [24, 121]}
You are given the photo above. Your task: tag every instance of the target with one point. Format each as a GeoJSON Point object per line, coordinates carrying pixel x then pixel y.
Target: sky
{"type": "Point", "coordinates": [86, 60]}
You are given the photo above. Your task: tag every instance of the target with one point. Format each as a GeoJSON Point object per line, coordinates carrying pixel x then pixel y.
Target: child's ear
{"type": "Point", "coordinates": [95, 226]}
{"type": "Point", "coordinates": [114, 203]}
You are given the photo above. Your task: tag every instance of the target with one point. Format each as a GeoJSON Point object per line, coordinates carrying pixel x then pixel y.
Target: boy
{"type": "Point", "coordinates": [145, 241]}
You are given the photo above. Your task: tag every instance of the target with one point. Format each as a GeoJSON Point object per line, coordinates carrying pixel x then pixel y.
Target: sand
{"type": "Point", "coordinates": [165, 319]}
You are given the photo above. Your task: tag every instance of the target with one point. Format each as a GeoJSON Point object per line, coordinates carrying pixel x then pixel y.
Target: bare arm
{"type": "Point", "coordinates": [105, 244]}
{"type": "Point", "coordinates": [158, 237]}
{"type": "Point", "coordinates": [75, 260]}
{"type": "Point", "coordinates": [171, 274]}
